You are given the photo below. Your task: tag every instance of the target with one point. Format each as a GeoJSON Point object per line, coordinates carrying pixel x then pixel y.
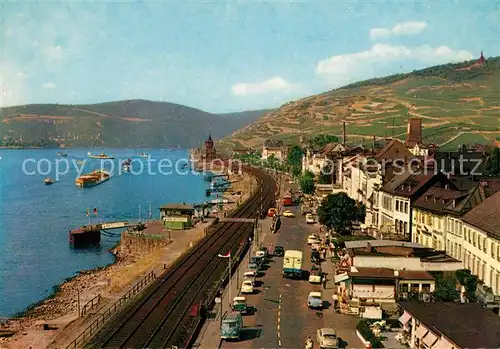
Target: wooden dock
{"type": "Point", "coordinates": [91, 234]}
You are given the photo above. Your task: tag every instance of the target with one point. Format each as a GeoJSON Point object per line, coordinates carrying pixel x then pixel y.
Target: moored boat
{"type": "Point", "coordinates": [63, 155]}
{"type": "Point", "coordinates": [92, 179]}
{"type": "Point", "coordinates": [48, 181]}
{"type": "Point", "coordinates": [101, 156]}
{"type": "Point", "coordinates": [126, 167]}
{"type": "Point", "coordinates": [144, 155]}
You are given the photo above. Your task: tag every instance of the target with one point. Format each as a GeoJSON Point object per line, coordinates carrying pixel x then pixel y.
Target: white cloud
{"type": "Point", "coordinates": [49, 85]}
{"type": "Point", "coordinates": [381, 54]}
{"type": "Point", "coordinates": [404, 28]}
{"type": "Point", "coordinates": [275, 84]}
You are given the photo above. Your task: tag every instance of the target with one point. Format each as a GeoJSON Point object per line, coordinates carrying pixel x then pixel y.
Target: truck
{"type": "Point", "coordinates": [292, 264]}
{"type": "Point", "coordinates": [287, 200]}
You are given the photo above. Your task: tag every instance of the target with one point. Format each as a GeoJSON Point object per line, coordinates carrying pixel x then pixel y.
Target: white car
{"type": "Point", "coordinates": [247, 286]}
{"type": "Point", "coordinates": [250, 275]}
{"type": "Point", "coordinates": [288, 213]}
{"type": "Point", "coordinates": [311, 219]}
{"type": "Point", "coordinates": [327, 338]}
{"type": "Point", "coordinates": [315, 300]}
{"type": "Point", "coordinates": [313, 239]}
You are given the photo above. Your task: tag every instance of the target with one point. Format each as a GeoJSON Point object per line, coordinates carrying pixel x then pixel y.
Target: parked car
{"type": "Point", "coordinates": [288, 213]}
{"type": "Point", "coordinates": [315, 300]}
{"type": "Point", "coordinates": [271, 212]}
{"type": "Point", "coordinates": [265, 250]}
{"type": "Point", "coordinates": [250, 275]}
{"type": "Point", "coordinates": [313, 239]}
{"type": "Point", "coordinates": [327, 338]}
{"type": "Point", "coordinates": [240, 305]}
{"type": "Point", "coordinates": [279, 251]}
{"type": "Point", "coordinates": [247, 286]}
{"type": "Point", "coordinates": [254, 264]}
{"type": "Point", "coordinates": [315, 257]}
{"type": "Point", "coordinates": [315, 275]}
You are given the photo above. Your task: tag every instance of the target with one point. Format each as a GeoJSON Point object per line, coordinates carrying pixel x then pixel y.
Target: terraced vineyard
{"type": "Point", "coordinates": [456, 107]}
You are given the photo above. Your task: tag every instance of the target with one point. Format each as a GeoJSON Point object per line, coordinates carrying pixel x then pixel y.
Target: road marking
{"type": "Point", "coordinates": [278, 332]}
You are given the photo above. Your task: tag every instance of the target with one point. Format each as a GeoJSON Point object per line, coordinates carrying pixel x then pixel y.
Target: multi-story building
{"type": "Point", "coordinates": [398, 195]}
{"type": "Point", "coordinates": [274, 148]}
{"type": "Point", "coordinates": [315, 161]}
{"type": "Point", "coordinates": [481, 241]}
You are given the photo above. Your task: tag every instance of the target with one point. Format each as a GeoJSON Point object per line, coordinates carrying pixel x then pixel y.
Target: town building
{"type": "Point", "coordinates": [177, 216]}
{"type": "Point", "coordinates": [276, 149]}
{"type": "Point", "coordinates": [316, 160]}
{"type": "Point", "coordinates": [398, 195]}
{"type": "Point", "coordinates": [396, 255]}
{"type": "Point", "coordinates": [414, 139]}
{"type": "Point", "coordinates": [481, 241]}
{"type": "Point", "coordinates": [449, 325]}
{"type": "Point", "coordinates": [379, 288]}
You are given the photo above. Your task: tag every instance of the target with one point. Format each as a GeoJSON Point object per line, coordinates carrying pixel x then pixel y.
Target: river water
{"type": "Point", "coordinates": [35, 218]}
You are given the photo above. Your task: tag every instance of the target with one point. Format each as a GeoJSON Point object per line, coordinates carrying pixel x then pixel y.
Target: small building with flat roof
{"type": "Point", "coordinates": [177, 216]}
{"type": "Point", "coordinates": [397, 255]}
{"type": "Point", "coordinates": [449, 325]}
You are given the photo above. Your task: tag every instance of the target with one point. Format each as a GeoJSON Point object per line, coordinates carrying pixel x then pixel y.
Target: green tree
{"type": "Point", "coordinates": [319, 141]}
{"type": "Point", "coordinates": [338, 211]}
{"type": "Point", "coordinates": [307, 182]}
{"type": "Point", "coordinates": [469, 281]}
{"type": "Point", "coordinates": [493, 163]}
{"type": "Point", "coordinates": [295, 159]}
{"type": "Point", "coordinates": [445, 290]}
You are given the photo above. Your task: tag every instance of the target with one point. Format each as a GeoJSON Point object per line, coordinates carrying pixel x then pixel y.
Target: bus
{"type": "Point", "coordinates": [292, 264]}
{"type": "Point", "coordinates": [231, 326]}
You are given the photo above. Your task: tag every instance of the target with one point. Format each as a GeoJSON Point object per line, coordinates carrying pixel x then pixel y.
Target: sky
{"type": "Point", "coordinates": [226, 56]}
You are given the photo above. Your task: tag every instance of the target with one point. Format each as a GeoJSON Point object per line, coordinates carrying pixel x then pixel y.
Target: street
{"type": "Point", "coordinates": [282, 317]}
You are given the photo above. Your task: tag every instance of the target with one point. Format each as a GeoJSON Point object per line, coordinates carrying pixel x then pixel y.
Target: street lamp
{"type": "Point", "coordinates": [250, 250]}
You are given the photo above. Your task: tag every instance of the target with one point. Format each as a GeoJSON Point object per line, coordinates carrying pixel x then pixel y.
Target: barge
{"type": "Point", "coordinates": [92, 179]}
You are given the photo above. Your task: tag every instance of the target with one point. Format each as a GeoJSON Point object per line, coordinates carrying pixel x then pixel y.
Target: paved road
{"type": "Point", "coordinates": [282, 318]}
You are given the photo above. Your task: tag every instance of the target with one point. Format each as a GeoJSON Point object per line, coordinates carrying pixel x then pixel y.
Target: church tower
{"type": "Point", "coordinates": [209, 149]}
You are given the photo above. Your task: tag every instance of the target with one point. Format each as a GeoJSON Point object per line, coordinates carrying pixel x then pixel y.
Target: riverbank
{"type": "Point", "coordinates": [109, 283]}
{"type": "Point", "coordinates": [131, 264]}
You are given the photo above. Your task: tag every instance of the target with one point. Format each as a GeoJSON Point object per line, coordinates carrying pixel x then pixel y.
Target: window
{"type": "Point", "coordinates": [406, 207]}
{"type": "Point", "coordinates": [397, 205]}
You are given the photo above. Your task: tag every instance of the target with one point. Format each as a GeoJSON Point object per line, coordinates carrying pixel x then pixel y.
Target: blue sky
{"type": "Point", "coordinates": [227, 56]}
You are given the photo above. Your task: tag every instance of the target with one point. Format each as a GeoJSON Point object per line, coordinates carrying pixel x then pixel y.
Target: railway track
{"type": "Point", "coordinates": [166, 313]}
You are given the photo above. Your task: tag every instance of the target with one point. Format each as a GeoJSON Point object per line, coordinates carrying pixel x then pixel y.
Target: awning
{"type": "Point", "coordinates": [404, 318]}
{"type": "Point", "coordinates": [421, 332]}
{"type": "Point", "coordinates": [429, 339]}
{"type": "Point", "coordinates": [341, 277]}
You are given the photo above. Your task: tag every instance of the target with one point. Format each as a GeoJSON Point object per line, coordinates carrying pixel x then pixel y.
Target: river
{"type": "Point", "coordinates": [35, 218]}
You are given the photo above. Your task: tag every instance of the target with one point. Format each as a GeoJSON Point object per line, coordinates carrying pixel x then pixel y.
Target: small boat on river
{"type": "Point", "coordinates": [63, 155]}
{"type": "Point", "coordinates": [144, 155]}
{"type": "Point", "coordinates": [48, 181]}
{"type": "Point", "coordinates": [101, 156]}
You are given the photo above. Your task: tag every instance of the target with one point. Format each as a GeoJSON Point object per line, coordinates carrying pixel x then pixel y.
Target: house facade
{"type": "Point", "coordinates": [481, 242]}
{"type": "Point", "coordinates": [398, 195]}
{"type": "Point", "coordinates": [314, 161]}
{"type": "Point", "coordinates": [276, 149]}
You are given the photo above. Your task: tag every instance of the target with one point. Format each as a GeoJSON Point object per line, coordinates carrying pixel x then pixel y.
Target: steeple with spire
{"type": "Point", "coordinates": [209, 149]}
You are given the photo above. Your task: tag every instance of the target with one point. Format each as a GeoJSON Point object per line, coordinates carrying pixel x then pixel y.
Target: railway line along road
{"type": "Point", "coordinates": [167, 313]}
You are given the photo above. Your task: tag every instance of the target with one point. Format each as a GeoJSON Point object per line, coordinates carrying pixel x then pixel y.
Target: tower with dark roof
{"type": "Point", "coordinates": [209, 149]}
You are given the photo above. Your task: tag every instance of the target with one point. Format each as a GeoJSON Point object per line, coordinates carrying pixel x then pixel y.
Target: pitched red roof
{"type": "Point", "coordinates": [393, 150]}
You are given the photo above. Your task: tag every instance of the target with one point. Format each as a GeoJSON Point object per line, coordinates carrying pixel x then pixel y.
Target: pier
{"type": "Point", "coordinates": [210, 176]}
{"type": "Point", "coordinates": [91, 234]}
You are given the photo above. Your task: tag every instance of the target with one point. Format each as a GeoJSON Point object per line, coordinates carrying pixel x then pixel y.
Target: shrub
{"type": "Point", "coordinates": [364, 329]}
